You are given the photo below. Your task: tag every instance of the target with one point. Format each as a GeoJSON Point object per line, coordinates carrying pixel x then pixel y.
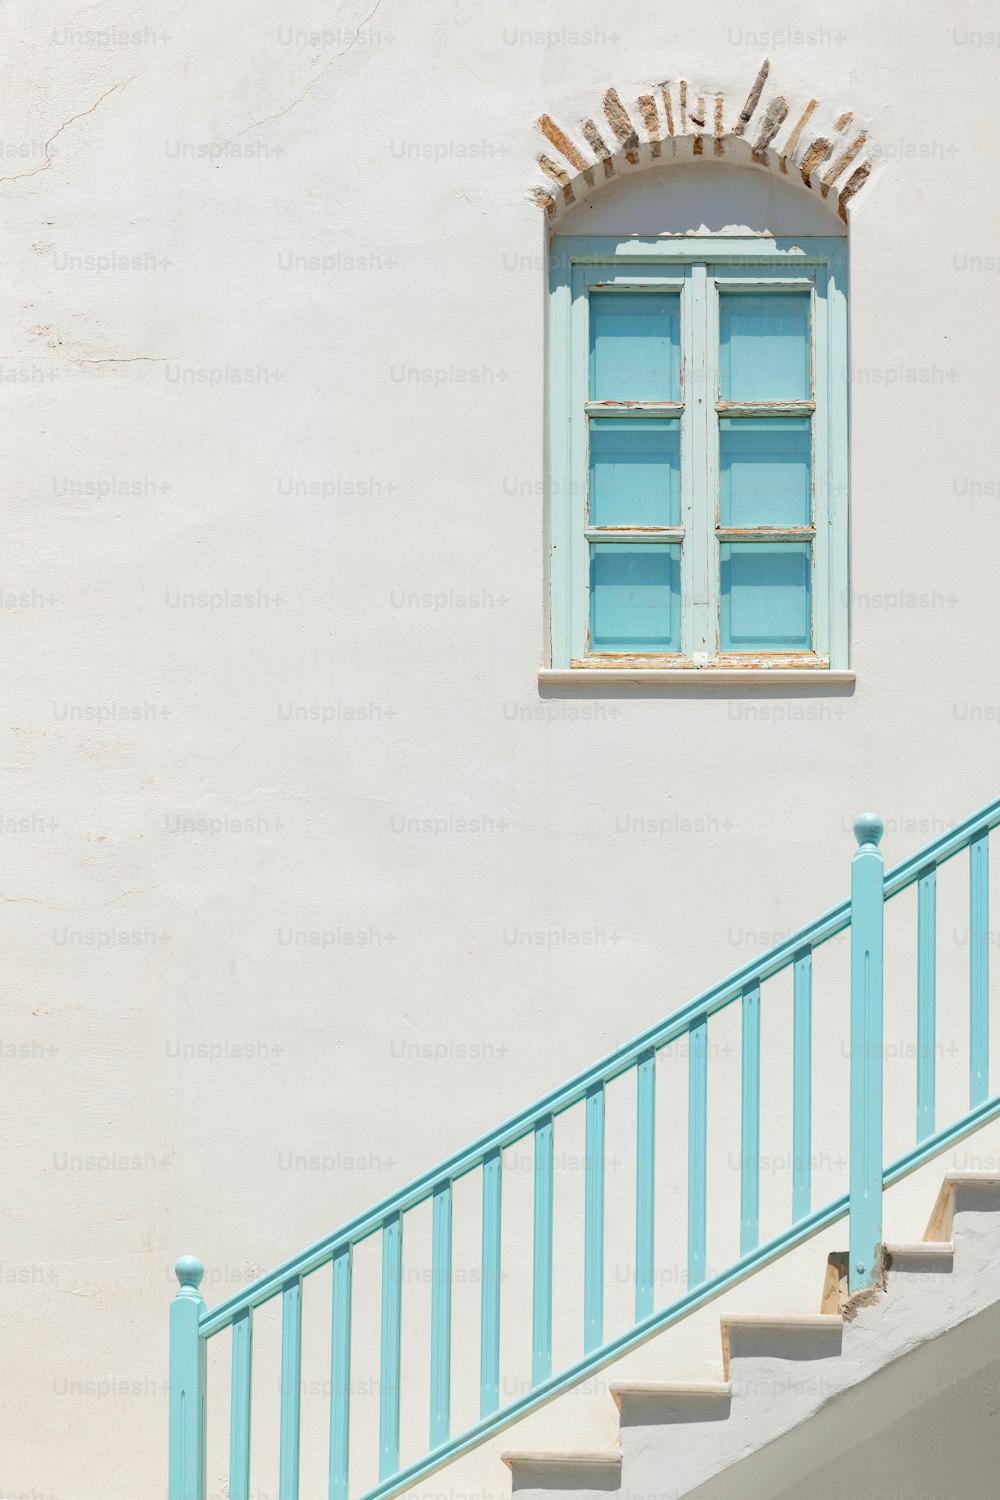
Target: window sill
{"type": "Point", "coordinates": [703, 676]}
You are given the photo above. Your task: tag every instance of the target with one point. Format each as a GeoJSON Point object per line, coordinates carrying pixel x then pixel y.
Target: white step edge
{"type": "Point", "coordinates": [670, 1390]}
{"type": "Point", "coordinates": [609, 1458]}
{"type": "Point", "coordinates": [925, 1250]}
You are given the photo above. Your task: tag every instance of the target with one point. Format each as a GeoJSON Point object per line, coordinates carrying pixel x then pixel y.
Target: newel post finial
{"type": "Point", "coordinates": [867, 942]}
{"type": "Point", "coordinates": [868, 830]}
{"type": "Point", "coordinates": [189, 1272]}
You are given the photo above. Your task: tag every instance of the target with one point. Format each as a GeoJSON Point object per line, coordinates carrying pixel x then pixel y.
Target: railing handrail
{"type": "Point", "coordinates": [765, 966]}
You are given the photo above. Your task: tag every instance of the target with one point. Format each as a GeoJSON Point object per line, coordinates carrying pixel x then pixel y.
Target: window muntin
{"type": "Point", "coordinates": [700, 417]}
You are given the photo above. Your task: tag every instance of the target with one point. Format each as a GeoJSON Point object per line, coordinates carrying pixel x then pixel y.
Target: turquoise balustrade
{"type": "Point", "coordinates": [192, 1325]}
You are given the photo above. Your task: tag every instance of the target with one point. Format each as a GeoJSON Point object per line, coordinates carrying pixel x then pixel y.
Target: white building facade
{"type": "Point", "coordinates": [322, 856]}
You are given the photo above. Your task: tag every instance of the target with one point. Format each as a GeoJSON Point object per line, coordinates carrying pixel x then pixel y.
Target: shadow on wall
{"type": "Point", "coordinates": [703, 196]}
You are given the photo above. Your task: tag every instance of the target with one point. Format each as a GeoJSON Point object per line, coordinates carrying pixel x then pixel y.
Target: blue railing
{"type": "Point", "coordinates": [192, 1325]}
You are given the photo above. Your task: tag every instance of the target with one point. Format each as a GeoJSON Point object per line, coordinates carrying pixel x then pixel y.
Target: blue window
{"type": "Point", "coordinates": [698, 441]}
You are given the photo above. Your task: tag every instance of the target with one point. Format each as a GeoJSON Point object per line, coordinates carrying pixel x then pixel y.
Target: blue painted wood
{"type": "Point", "coordinates": [635, 346]}
{"type": "Point", "coordinates": [766, 596]}
{"type": "Point", "coordinates": [340, 1375]}
{"type": "Point", "coordinates": [867, 941]}
{"type": "Point", "coordinates": [541, 1314]}
{"type": "Point", "coordinates": [291, 1389]}
{"type": "Point", "coordinates": [691, 1019]}
{"type": "Point", "coordinates": [764, 346]}
{"type": "Point", "coordinates": [188, 1383]}
{"type": "Point", "coordinates": [979, 968]}
{"type": "Point", "coordinates": [765, 471]}
{"type": "Point", "coordinates": [241, 1387]}
{"type": "Point", "coordinates": [763, 351]}
{"type": "Point", "coordinates": [717, 997]}
{"type": "Point", "coordinates": [750, 1122]}
{"type": "Point", "coordinates": [635, 597]}
{"type": "Point", "coordinates": [635, 472]}
{"type": "Point", "coordinates": [802, 1086]}
{"type": "Point", "coordinates": [681, 1307]}
{"type": "Point", "coordinates": [697, 1152]}
{"type": "Point", "coordinates": [593, 1255]}
{"type": "Point", "coordinates": [489, 1321]}
{"type": "Point", "coordinates": [926, 1001]}
{"type": "Point", "coordinates": [645, 1184]}
{"type": "Point", "coordinates": [440, 1424]}
{"type": "Point", "coordinates": [392, 1309]}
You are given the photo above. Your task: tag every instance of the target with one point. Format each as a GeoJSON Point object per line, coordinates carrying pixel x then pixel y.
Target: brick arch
{"type": "Point", "coordinates": [676, 121]}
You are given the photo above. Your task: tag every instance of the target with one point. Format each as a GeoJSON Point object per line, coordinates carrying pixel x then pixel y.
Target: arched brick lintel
{"type": "Point", "coordinates": [673, 122]}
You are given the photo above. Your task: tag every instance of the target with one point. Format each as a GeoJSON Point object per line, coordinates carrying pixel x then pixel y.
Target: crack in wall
{"type": "Point", "coordinates": [46, 164]}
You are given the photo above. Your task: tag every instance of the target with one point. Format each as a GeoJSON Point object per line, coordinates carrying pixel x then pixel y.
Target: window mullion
{"type": "Point", "coordinates": [700, 506]}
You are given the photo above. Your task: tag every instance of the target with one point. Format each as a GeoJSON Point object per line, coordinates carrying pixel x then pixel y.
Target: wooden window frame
{"type": "Point", "coordinates": [701, 268]}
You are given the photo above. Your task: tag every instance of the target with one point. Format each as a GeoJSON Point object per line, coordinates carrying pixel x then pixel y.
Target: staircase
{"type": "Point", "coordinates": [705, 1426]}
{"type": "Point", "coordinates": [781, 1373]}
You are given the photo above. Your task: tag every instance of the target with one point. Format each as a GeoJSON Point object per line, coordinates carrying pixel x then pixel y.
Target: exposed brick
{"type": "Point", "coordinates": [626, 141]}
{"type": "Point", "coordinates": [793, 139]}
{"type": "Point", "coordinates": [621, 123]}
{"type": "Point", "coordinates": [558, 174]}
{"type": "Point", "coordinates": [856, 180]}
{"type": "Point", "coordinates": [752, 98]}
{"type": "Point", "coordinates": [599, 146]}
{"type": "Point", "coordinates": [651, 120]}
{"type": "Point", "coordinates": [843, 161]}
{"type": "Point", "coordinates": [668, 107]}
{"type": "Point", "coordinates": [772, 122]}
{"type": "Point", "coordinates": [817, 153]}
{"type": "Point", "coordinates": [566, 148]}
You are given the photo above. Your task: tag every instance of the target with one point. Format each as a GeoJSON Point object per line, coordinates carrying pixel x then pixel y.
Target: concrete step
{"type": "Point", "coordinates": [788, 1378]}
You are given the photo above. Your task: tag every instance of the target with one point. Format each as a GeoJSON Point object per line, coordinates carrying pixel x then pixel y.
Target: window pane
{"type": "Point", "coordinates": [764, 465]}
{"type": "Point", "coordinates": [635, 346]}
{"type": "Point", "coordinates": [764, 346]}
{"type": "Point", "coordinates": [635, 597]}
{"type": "Point", "coordinates": [765, 596]}
{"type": "Point", "coordinates": [635, 472]}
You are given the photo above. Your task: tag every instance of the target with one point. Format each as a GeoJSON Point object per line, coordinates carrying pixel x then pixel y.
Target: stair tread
{"type": "Point", "coordinates": [942, 1248]}
{"type": "Point", "coordinates": [939, 1223]}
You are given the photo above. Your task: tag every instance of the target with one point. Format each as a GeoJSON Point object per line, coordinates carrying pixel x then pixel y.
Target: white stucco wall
{"type": "Point", "coordinates": [313, 375]}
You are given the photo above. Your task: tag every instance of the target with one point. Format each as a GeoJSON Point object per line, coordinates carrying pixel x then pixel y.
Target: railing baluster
{"type": "Point", "coordinates": [188, 1379]}
{"type": "Point", "coordinates": [926, 1001]}
{"type": "Point", "coordinates": [697, 1150]}
{"type": "Point", "coordinates": [291, 1389]}
{"type": "Point", "coordinates": [979, 968]}
{"type": "Point", "coordinates": [645, 1184]}
{"type": "Point", "coordinates": [392, 1311]}
{"type": "Point", "coordinates": [593, 1259]}
{"type": "Point", "coordinates": [541, 1313]}
{"type": "Point", "coordinates": [489, 1341]}
{"type": "Point", "coordinates": [239, 1420]}
{"type": "Point", "coordinates": [867, 943]}
{"type": "Point", "coordinates": [802, 1087]}
{"type": "Point", "coordinates": [441, 1317]}
{"type": "Point", "coordinates": [750, 1122]}
{"type": "Point", "coordinates": [340, 1375]}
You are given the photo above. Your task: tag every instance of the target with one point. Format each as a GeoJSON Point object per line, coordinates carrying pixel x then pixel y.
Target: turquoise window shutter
{"type": "Point", "coordinates": [698, 453]}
